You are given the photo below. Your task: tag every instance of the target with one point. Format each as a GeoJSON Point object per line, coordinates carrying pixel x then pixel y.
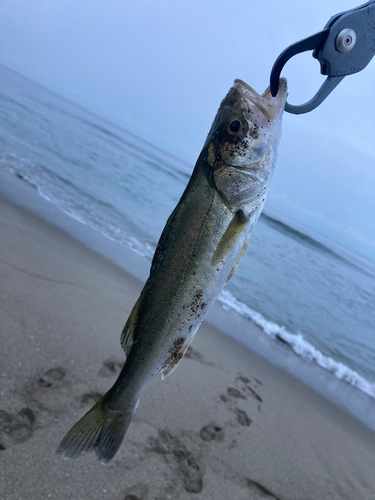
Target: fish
{"type": "Point", "coordinates": [199, 249]}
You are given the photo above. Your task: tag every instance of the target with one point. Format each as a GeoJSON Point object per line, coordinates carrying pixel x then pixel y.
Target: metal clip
{"type": "Point", "coordinates": [345, 46]}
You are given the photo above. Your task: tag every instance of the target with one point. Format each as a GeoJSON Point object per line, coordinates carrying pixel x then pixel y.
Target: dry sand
{"type": "Point", "coordinates": [225, 425]}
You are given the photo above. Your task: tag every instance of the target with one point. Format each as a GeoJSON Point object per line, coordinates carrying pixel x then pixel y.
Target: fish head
{"type": "Point", "coordinates": [241, 146]}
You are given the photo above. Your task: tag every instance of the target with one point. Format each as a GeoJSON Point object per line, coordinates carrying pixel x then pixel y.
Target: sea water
{"type": "Point", "coordinates": [300, 292]}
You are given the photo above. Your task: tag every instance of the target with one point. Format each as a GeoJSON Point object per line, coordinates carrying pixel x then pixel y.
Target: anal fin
{"type": "Point", "coordinates": [176, 353]}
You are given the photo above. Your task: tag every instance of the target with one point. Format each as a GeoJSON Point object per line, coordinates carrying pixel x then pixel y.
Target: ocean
{"type": "Point", "coordinates": [314, 301]}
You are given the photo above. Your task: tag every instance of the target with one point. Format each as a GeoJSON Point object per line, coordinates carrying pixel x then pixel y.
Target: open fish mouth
{"type": "Point", "coordinates": [271, 107]}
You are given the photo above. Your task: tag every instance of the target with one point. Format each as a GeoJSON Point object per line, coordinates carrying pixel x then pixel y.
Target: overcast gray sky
{"type": "Point", "coordinates": [161, 68]}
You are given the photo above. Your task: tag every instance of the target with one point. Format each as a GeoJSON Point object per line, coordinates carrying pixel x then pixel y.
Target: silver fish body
{"type": "Point", "coordinates": [198, 251]}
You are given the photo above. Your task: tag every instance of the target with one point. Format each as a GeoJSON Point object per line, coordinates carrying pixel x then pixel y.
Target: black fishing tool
{"type": "Point", "coordinates": [345, 46]}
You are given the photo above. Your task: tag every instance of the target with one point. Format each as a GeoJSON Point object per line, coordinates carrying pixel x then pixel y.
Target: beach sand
{"type": "Point", "coordinates": [225, 425]}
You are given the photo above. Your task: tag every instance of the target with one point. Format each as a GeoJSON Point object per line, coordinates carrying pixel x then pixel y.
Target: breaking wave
{"type": "Point", "coordinates": [298, 344]}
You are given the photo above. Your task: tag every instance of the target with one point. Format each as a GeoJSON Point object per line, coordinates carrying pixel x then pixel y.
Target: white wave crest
{"type": "Point", "coordinates": [299, 344]}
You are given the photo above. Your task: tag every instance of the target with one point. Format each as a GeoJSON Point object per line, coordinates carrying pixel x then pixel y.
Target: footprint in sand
{"type": "Point", "coordinates": [50, 393]}
{"type": "Point", "coordinates": [242, 417]}
{"type": "Point", "coordinates": [235, 393]}
{"type": "Point", "coordinates": [52, 377]}
{"type": "Point", "coordinates": [41, 386]}
{"type": "Point", "coordinates": [189, 470]}
{"type": "Point", "coordinates": [212, 432]}
{"type": "Point", "coordinates": [244, 387]}
{"type": "Point", "coordinates": [176, 452]}
{"type": "Point", "coordinates": [138, 491]}
{"type": "Point", "coordinates": [16, 428]}
{"type": "Point", "coordinates": [110, 368]}
{"type": "Point", "coordinates": [46, 392]}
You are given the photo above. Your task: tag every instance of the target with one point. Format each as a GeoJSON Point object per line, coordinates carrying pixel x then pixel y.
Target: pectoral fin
{"type": "Point", "coordinates": [230, 237]}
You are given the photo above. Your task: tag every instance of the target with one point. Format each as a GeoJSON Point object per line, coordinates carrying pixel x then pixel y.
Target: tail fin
{"type": "Point", "coordinates": [101, 430]}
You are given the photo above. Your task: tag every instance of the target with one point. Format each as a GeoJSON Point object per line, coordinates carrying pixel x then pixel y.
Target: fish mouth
{"type": "Point", "coordinates": [271, 107]}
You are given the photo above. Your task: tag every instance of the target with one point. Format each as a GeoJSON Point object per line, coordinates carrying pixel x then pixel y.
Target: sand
{"type": "Point", "coordinates": [225, 425]}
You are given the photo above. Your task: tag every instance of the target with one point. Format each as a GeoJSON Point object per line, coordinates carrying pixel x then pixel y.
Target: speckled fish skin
{"type": "Point", "coordinates": [198, 251]}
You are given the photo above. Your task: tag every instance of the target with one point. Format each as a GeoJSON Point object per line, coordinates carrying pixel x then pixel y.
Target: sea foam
{"type": "Point", "coordinates": [298, 344]}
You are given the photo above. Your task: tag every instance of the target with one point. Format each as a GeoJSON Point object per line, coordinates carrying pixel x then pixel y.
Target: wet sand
{"type": "Point", "coordinates": [225, 425]}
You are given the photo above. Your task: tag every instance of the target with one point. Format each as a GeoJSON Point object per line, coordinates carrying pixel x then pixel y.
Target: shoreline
{"type": "Point", "coordinates": [226, 424]}
{"type": "Point", "coordinates": [345, 396]}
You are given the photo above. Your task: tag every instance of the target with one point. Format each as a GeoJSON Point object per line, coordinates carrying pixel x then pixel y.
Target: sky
{"type": "Point", "coordinates": [160, 69]}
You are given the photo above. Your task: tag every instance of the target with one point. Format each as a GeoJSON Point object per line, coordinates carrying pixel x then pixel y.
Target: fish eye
{"type": "Point", "coordinates": [234, 126]}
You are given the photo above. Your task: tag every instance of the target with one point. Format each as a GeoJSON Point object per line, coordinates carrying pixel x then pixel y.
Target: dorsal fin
{"type": "Point", "coordinates": [128, 335]}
